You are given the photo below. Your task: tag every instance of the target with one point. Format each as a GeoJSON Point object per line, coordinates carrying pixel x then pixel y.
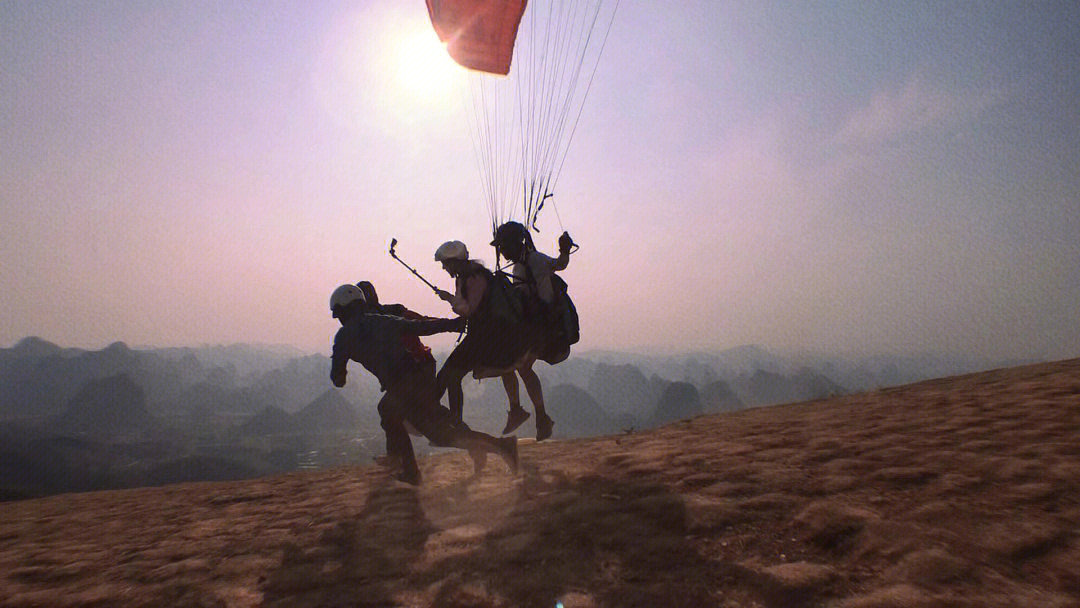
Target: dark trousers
{"type": "Point", "coordinates": [413, 399]}
{"type": "Point", "coordinates": [491, 343]}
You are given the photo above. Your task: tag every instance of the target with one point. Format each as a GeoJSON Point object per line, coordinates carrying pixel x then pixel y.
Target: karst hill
{"type": "Point", "coordinates": [962, 491]}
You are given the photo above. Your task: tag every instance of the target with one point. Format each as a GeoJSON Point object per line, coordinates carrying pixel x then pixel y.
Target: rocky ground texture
{"type": "Point", "coordinates": [955, 492]}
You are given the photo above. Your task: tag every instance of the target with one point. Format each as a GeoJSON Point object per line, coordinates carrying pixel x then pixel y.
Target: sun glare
{"type": "Point", "coordinates": [424, 69]}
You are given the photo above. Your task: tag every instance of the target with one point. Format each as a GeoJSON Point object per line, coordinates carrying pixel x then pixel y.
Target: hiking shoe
{"type": "Point", "coordinates": [543, 427]}
{"type": "Point", "coordinates": [509, 452]}
{"type": "Point", "coordinates": [514, 418]}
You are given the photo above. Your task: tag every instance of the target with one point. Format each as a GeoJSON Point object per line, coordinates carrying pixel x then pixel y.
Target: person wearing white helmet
{"type": "Point", "coordinates": [470, 278]}
{"type": "Point", "coordinates": [498, 342]}
{"type": "Point", "coordinates": [375, 341]}
{"type": "Point", "coordinates": [345, 300]}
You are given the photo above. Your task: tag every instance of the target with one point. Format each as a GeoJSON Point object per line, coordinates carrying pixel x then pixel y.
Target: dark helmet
{"type": "Point", "coordinates": [370, 296]}
{"type": "Point", "coordinates": [510, 234]}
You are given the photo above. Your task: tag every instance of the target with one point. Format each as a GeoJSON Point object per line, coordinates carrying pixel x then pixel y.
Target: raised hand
{"type": "Point", "coordinates": [565, 242]}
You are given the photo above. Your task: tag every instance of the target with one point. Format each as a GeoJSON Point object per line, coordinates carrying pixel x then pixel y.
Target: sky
{"type": "Point", "coordinates": [871, 177]}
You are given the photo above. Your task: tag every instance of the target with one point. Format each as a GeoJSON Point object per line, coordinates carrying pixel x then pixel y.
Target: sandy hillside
{"type": "Point", "coordinates": [955, 492]}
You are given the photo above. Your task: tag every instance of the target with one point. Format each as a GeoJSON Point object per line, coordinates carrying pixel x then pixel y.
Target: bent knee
{"type": "Point", "coordinates": [442, 439]}
{"type": "Point", "coordinates": [449, 376]}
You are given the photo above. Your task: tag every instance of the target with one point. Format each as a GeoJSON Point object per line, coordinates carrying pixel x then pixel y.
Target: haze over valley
{"type": "Point", "coordinates": [75, 419]}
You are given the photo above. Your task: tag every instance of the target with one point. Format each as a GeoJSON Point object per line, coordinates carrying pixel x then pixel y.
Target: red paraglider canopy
{"type": "Point", "coordinates": [479, 34]}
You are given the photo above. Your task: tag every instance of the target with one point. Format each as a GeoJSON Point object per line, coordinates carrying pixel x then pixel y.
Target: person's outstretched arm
{"type": "Point", "coordinates": [426, 327]}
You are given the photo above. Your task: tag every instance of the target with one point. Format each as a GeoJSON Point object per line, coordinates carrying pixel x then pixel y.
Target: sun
{"type": "Point", "coordinates": [423, 69]}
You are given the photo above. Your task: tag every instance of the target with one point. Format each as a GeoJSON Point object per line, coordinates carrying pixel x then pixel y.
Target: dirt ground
{"type": "Point", "coordinates": [956, 492]}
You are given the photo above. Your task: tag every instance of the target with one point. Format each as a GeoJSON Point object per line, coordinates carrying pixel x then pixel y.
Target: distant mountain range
{"type": "Point", "coordinates": [106, 408]}
{"type": "Point", "coordinates": [239, 410]}
{"type": "Point", "coordinates": [328, 414]}
{"type": "Point", "coordinates": [38, 379]}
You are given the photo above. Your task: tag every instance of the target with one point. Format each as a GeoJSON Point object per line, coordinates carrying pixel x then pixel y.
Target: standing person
{"type": "Point", "coordinates": [374, 341]}
{"type": "Point", "coordinates": [498, 341]}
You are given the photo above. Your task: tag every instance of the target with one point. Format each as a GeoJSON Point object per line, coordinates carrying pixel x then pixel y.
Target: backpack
{"type": "Point", "coordinates": [501, 299]}
{"type": "Point", "coordinates": [561, 314]}
{"type": "Point", "coordinates": [416, 349]}
{"type": "Point", "coordinates": [565, 311]}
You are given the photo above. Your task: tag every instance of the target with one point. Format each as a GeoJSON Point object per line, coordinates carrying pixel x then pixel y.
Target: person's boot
{"type": "Point", "coordinates": [514, 418]}
{"type": "Point", "coordinates": [543, 427]}
{"type": "Point", "coordinates": [508, 451]}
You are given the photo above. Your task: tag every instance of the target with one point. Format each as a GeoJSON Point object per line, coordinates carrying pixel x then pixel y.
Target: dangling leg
{"type": "Point", "coordinates": [517, 414]}
{"type": "Point", "coordinates": [536, 395]}
{"type": "Point", "coordinates": [449, 380]}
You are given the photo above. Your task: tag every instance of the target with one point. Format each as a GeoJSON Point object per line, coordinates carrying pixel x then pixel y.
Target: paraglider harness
{"type": "Point", "coordinates": [560, 316]}
{"type": "Point", "coordinates": [501, 300]}
{"type": "Point", "coordinates": [420, 353]}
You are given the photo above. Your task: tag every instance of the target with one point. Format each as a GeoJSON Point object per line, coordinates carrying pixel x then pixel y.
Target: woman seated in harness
{"type": "Point", "coordinates": [498, 342]}
{"type": "Point", "coordinates": [545, 292]}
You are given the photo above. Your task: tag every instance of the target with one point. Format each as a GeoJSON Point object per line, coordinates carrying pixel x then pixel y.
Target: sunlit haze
{"type": "Point", "coordinates": [425, 73]}
{"type": "Point", "coordinates": [834, 176]}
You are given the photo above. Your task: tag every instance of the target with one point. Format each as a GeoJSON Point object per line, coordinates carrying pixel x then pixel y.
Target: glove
{"type": "Point", "coordinates": [565, 242]}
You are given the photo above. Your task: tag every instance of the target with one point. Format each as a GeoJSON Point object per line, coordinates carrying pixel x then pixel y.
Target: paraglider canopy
{"type": "Point", "coordinates": [530, 73]}
{"type": "Point", "coordinates": [479, 34]}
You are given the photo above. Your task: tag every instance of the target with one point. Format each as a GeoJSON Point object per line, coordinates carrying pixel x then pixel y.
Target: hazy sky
{"type": "Point", "coordinates": [875, 176]}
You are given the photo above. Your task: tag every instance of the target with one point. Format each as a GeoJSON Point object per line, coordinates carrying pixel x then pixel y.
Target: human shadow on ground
{"type": "Point", "coordinates": [615, 542]}
{"type": "Point", "coordinates": [359, 561]}
{"type": "Point", "coordinates": [620, 543]}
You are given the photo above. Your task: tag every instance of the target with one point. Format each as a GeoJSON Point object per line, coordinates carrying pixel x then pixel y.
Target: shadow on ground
{"type": "Point", "coordinates": [581, 541]}
{"type": "Point", "coordinates": [357, 561]}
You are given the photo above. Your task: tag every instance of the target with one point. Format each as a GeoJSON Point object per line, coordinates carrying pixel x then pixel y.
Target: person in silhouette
{"type": "Point", "coordinates": [543, 291]}
{"type": "Point", "coordinates": [546, 312]}
{"type": "Point", "coordinates": [375, 341]}
{"type": "Point", "coordinates": [412, 343]}
{"type": "Point", "coordinates": [499, 342]}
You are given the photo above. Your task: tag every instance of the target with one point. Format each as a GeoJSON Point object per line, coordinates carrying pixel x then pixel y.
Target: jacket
{"type": "Point", "coordinates": [375, 341]}
{"type": "Point", "coordinates": [412, 342]}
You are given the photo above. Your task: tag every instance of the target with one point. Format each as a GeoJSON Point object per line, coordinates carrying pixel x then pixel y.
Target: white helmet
{"type": "Point", "coordinates": [451, 250]}
{"type": "Point", "coordinates": [345, 295]}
